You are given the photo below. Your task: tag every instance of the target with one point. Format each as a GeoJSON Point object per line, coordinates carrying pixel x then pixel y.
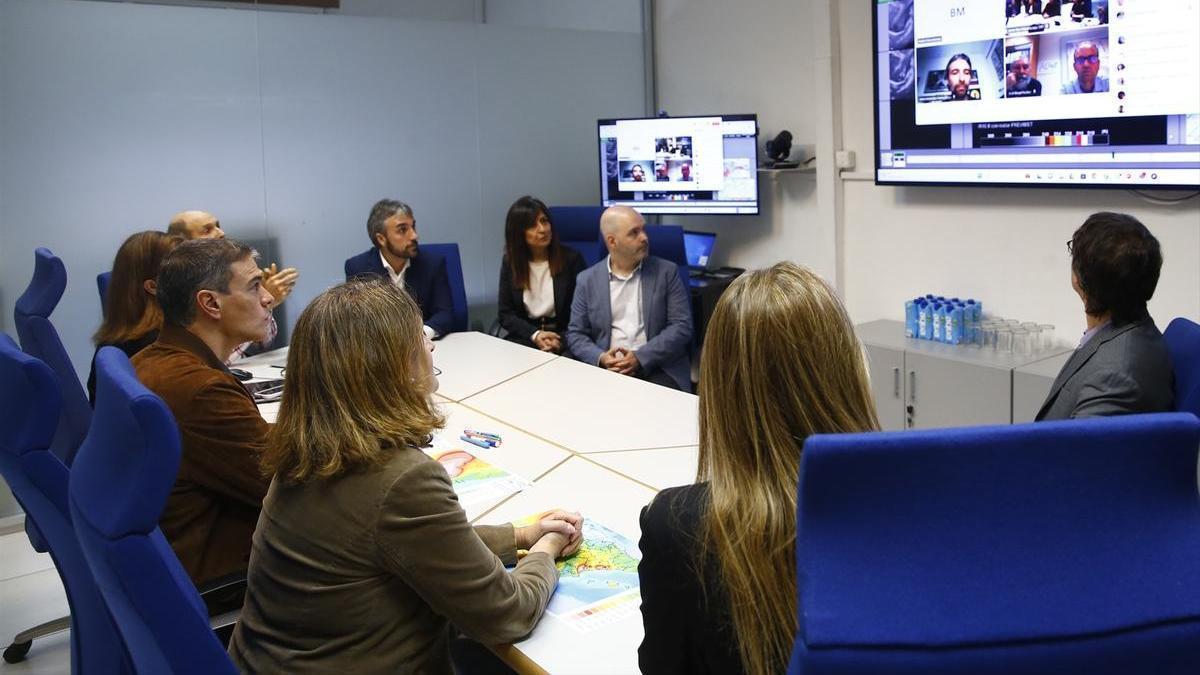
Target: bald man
{"type": "Point", "coordinates": [631, 312]}
{"type": "Point", "coordinates": [194, 224]}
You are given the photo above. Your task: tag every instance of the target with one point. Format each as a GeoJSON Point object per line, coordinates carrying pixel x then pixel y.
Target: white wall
{"type": "Point", "coordinates": [1004, 246]}
{"type": "Point", "coordinates": [711, 57]}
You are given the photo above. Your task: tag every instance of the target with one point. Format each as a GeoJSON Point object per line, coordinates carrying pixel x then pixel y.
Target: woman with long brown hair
{"type": "Point", "coordinates": [718, 572]}
{"type": "Point", "coordinates": [362, 556]}
{"type": "Point", "coordinates": [132, 317]}
{"type": "Point", "coordinates": [537, 277]}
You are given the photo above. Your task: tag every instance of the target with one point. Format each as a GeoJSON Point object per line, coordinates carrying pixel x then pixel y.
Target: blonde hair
{"type": "Point", "coordinates": [780, 362]}
{"type": "Point", "coordinates": [358, 385]}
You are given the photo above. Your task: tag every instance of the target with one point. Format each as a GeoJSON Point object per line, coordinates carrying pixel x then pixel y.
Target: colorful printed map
{"type": "Point", "coordinates": [599, 584]}
{"type": "Point", "coordinates": [475, 480]}
{"type": "Point", "coordinates": [605, 566]}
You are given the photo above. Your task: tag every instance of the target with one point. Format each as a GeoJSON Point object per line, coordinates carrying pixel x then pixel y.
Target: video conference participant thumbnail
{"type": "Point", "coordinates": [1087, 63]}
{"type": "Point", "coordinates": [964, 71]}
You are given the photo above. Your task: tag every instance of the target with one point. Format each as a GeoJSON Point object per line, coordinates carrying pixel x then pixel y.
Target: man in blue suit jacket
{"type": "Point", "coordinates": [393, 231]}
{"type": "Point", "coordinates": [630, 313]}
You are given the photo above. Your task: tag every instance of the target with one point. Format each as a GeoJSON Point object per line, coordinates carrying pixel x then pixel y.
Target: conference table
{"type": "Point", "coordinates": [577, 437]}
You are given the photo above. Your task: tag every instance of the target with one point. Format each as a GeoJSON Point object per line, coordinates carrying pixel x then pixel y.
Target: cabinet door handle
{"type": "Point", "coordinates": [896, 381]}
{"type": "Point", "coordinates": [912, 386]}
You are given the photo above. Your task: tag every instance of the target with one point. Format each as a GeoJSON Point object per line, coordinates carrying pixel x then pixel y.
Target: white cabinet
{"type": "Point", "coordinates": [919, 384]}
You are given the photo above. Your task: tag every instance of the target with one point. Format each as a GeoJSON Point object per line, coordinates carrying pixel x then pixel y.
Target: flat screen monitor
{"type": "Point", "coordinates": [698, 246]}
{"type": "Point", "coordinates": [1094, 93]}
{"type": "Point", "coordinates": [680, 165]}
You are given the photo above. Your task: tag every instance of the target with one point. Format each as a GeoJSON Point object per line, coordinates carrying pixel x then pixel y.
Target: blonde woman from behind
{"type": "Point", "coordinates": [718, 572]}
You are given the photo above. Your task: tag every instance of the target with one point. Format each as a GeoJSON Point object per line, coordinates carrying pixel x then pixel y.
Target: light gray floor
{"type": "Point", "coordinates": [31, 593]}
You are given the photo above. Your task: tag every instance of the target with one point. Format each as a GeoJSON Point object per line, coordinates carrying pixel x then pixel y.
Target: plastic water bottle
{"type": "Point", "coordinates": [910, 318]}
{"type": "Point", "coordinates": [939, 323]}
{"type": "Point", "coordinates": [925, 321]}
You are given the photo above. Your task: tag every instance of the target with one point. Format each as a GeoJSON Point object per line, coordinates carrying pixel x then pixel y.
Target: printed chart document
{"type": "Point", "coordinates": [475, 481]}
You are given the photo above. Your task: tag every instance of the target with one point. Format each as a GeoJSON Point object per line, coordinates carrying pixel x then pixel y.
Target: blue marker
{"type": "Point", "coordinates": [472, 441]}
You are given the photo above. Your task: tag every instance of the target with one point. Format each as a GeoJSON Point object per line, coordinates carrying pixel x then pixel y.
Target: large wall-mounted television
{"type": "Point", "coordinates": [1095, 93]}
{"type": "Point", "coordinates": [680, 165]}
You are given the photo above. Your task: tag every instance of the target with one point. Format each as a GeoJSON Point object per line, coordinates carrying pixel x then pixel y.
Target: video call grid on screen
{"type": "Point", "coordinates": [680, 165]}
{"type": "Point", "coordinates": [968, 90]}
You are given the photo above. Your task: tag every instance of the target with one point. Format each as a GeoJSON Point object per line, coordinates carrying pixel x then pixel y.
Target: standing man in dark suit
{"type": "Point", "coordinates": [630, 313]}
{"type": "Point", "coordinates": [394, 256]}
{"type": "Point", "coordinates": [1121, 365]}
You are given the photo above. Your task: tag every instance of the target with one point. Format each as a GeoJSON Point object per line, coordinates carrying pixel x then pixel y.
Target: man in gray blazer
{"type": "Point", "coordinates": [630, 313]}
{"type": "Point", "coordinates": [1121, 365]}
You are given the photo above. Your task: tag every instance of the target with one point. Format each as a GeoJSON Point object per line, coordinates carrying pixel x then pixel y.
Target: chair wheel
{"type": "Point", "coordinates": [16, 651]}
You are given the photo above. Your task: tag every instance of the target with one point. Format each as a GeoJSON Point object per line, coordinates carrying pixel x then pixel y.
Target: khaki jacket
{"type": "Point", "coordinates": [365, 573]}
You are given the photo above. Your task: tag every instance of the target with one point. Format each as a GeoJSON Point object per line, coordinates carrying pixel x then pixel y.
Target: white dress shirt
{"type": "Point", "coordinates": [398, 279]}
{"type": "Point", "coordinates": [625, 297]}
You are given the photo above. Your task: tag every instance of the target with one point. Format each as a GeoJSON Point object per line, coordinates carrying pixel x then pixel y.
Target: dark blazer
{"type": "Point", "coordinates": [514, 316]}
{"type": "Point", "coordinates": [684, 607]}
{"type": "Point", "coordinates": [213, 506]}
{"type": "Point", "coordinates": [426, 281]}
{"type": "Point", "coordinates": [1122, 369]}
{"type": "Point", "coordinates": [366, 571]}
{"type": "Point", "coordinates": [667, 313]}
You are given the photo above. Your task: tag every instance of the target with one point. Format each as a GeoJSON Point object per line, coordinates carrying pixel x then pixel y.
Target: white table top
{"type": "Point", "coordinates": [660, 469]}
{"type": "Point", "coordinates": [518, 453]}
{"type": "Point", "coordinates": [472, 362]}
{"type": "Point", "coordinates": [615, 502]}
{"type": "Point", "coordinates": [585, 408]}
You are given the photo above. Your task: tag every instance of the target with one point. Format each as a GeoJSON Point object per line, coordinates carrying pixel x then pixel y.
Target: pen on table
{"type": "Point", "coordinates": [482, 434]}
{"type": "Point", "coordinates": [474, 441]}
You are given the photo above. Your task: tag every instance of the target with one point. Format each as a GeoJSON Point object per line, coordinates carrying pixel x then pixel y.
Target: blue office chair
{"type": "Point", "coordinates": [119, 486]}
{"type": "Point", "coordinates": [458, 289]}
{"type": "Point", "coordinates": [102, 281]}
{"type": "Point", "coordinates": [666, 242]}
{"type": "Point", "coordinates": [40, 340]}
{"type": "Point", "coordinates": [1055, 547]}
{"type": "Point", "coordinates": [579, 228]}
{"type": "Point", "coordinates": [1183, 343]}
{"type": "Point", "coordinates": [29, 410]}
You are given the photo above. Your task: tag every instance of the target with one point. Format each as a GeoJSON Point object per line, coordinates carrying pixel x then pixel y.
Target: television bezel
{"type": "Point", "coordinates": [875, 99]}
{"type": "Point", "coordinates": [757, 182]}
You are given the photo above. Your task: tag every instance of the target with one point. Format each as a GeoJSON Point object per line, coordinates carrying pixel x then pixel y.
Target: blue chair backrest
{"type": "Point", "coordinates": [40, 340]}
{"type": "Point", "coordinates": [102, 281]}
{"type": "Point", "coordinates": [1055, 547]}
{"type": "Point", "coordinates": [119, 486]}
{"type": "Point", "coordinates": [29, 410]}
{"type": "Point", "coordinates": [666, 242]}
{"type": "Point", "coordinates": [579, 228]}
{"type": "Point", "coordinates": [1183, 343]}
{"type": "Point", "coordinates": [458, 289]}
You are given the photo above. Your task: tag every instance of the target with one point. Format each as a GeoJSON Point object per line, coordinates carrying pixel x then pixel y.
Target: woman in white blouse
{"type": "Point", "coordinates": [537, 278]}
